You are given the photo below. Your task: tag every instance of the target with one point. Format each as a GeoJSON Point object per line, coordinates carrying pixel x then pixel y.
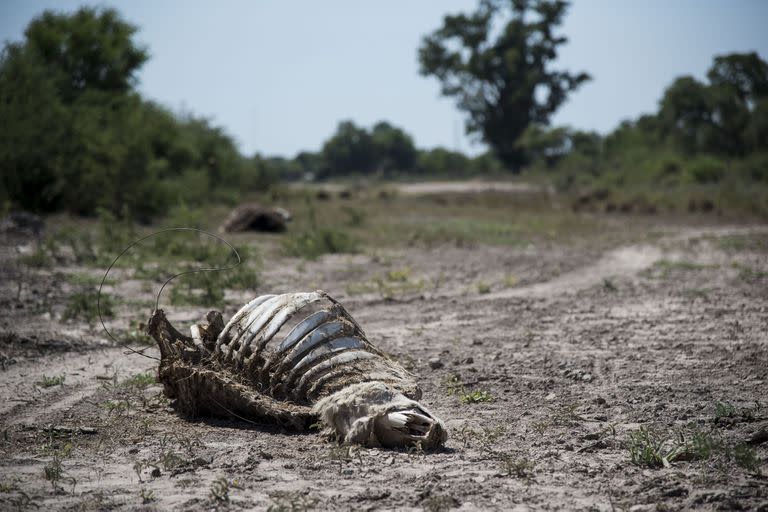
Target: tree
{"type": "Point", "coordinates": [737, 82]}
{"type": "Point", "coordinates": [349, 150]}
{"type": "Point", "coordinates": [504, 84]}
{"type": "Point", "coordinates": [394, 148]}
{"type": "Point", "coordinates": [686, 113]}
{"type": "Point", "coordinates": [90, 49]}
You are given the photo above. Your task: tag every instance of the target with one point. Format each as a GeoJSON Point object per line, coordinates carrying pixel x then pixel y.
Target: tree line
{"type": "Point", "coordinates": [77, 136]}
{"type": "Point", "coordinates": [702, 132]}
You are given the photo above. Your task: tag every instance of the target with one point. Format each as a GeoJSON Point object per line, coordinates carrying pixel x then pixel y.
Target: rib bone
{"type": "Point", "coordinates": [324, 367]}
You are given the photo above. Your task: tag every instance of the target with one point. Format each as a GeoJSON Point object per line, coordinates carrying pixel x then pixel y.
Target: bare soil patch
{"type": "Point", "coordinates": [560, 368]}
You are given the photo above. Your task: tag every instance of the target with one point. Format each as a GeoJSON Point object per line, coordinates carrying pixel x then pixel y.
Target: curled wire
{"type": "Point", "coordinates": [131, 350]}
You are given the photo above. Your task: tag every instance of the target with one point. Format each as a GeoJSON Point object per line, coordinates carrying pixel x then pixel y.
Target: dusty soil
{"type": "Point", "coordinates": [577, 346]}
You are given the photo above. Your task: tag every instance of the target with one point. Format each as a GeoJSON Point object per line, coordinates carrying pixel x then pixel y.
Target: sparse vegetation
{"type": "Point", "coordinates": [292, 502]}
{"type": "Point", "coordinates": [53, 471]}
{"type": "Point", "coordinates": [609, 285]}
{"type": "Point", "coordinates": [220, 489]}
{"type": "Point", "coordinates": [147, 496]}
{"type": "Point", "coordinates": [653, 448]}
{"type": "Point", "coordinates": [50, 381]}
{"type": "Point", "coordinates": [81, 305]}
{"type": "Point", "coordinates": [483, 288]}
{"type": "Point", "coordinates": [474, 397]}
{"type": "Point", "coordinates": [648, 447]}
{"type": "Point", "coordinates": [141, 380]}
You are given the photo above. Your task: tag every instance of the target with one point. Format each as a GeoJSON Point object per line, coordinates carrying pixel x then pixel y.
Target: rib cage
{"type": "Point", "coordinates": [322, 351]}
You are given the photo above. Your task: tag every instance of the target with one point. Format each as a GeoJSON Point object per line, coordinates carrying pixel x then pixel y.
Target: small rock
{"type": "Point", "coordinates": [600, 400]}
{"type": "Point", "coordinates": [550, 397]}
{"type": "Point", "coordinates": [155, 472]}
{"type": "Point", "coordinates": [435, 363]}
{"type": "Point", "coordinates": [587, 377]}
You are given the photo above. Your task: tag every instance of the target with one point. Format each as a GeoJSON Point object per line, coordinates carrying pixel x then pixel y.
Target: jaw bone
{"type": "Point", "coordinates": [375, 414]}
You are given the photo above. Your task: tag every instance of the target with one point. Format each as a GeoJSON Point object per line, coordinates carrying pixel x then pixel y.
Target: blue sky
{"type": "Point", "coordinates": [280, 75]}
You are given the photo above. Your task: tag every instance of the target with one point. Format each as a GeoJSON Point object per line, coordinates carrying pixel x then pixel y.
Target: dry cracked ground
{"type": "Point", "coordinates": [623, 370]}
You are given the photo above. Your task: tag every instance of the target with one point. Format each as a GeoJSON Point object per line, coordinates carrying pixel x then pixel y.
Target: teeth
{"type": "Point", "coordinates": [397, 419]}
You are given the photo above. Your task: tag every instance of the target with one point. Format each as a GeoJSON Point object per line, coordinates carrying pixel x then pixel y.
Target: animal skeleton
{"type": "Point", "coordinates": [292, 359]}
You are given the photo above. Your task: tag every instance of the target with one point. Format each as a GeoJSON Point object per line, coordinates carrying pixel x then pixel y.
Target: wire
{"type": "Point", "coordinates": [157, 300]}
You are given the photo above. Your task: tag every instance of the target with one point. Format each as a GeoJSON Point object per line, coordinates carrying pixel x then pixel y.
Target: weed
{"type": "Point", "coordinates": [39, 258]}
{"type": "Point", "coordinates": [118, 407]}
{"type": "Point", "coordinates": [170, 460]}
{"type": "Point", "coordinates": [7, 487]}
{"type": "Point", "coordinates": [476, 396]}
{"type": "Point", "coordinates": [220, 489]}
{"type": "Point", "coordinates": [53, 471]}
{"type": "Point", "coordinates": [520, 467]}
{"type": "Point", "coordinates": [666, 267]}
{"type": "Point", "coordinates": [343, 455]}
{"type": "Point", "coordinates": [439, 502]}
{"type": "Point", "coordinates": [355, 217]}
{"type": "Point", "coordinates": [48, 382]}
{"type": "Point", "coordinates": [136, 336]}
{"type": "Point", "coordinates": [242, 277]}
{"type": "Point", "coordinates": [724, 410]}
{"type": "Point", "coordinates": [141, 380]}
{"type": "Point", "coordinates": [399, 275]}
{"type": "Point", "coordinates": [82, 305]}
{"type": "Point", "coordinates": [391, 284]}
{"type": "Point", "coordinates": [746, 457]}
{"type": "Point", "coordinates": [749, 274]}
{"type": "Point", "coordinates": [313, 243]}
{"type": "Point", "coordinates": [147, 496]}
{"type": "Point", "coordinates": [202, 289]}
{"type": "Point", "coordinates": [485, 438]}
{"type": "Point", "coordinates": [510, 280]}
{"type": "Point", "coordinates": [292, 502]}
{"type": "Point", "coordinates": [648, 447]}
{"type": "Point", "coordinates": [454, 386]}
{"type": "Point", "coordinates": [694, 293]}
{"type": "Point", "coordinates": [609, 285]}
{"type": "Point", "coordinates": [483, 288]}
{"type": "Point", "coordinates": [728, 411]}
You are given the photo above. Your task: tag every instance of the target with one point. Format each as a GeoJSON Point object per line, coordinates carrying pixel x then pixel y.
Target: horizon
{"type": "Point", "coordinates": [278, 100]}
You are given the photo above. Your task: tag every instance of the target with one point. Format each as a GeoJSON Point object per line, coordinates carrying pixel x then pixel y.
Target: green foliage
{"type": "Point", "coordinates": [504, 84]}
{"type": "Point", "coordinates": [141, 380]}
{"type": "Point", "coordinates": [201, 289]}
{"type": "Point", "coordinates": [474, 397]}
{"type": "Point", "coordinates": [648, 447]}
{"type": "Point", "coordinates": [82, 305]}
{"type": "Point", "coordinates": [76, 136]}
{"type": "Point", "coordinates": [317, 240]}
{"type": "Point", "coordinates": [313, 243]}
{"type": "Point", "coordinates": [50, 381]}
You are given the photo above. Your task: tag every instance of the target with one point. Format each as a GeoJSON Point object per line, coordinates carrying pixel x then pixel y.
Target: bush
{"type": "Point", "coordinates": [706, 169]}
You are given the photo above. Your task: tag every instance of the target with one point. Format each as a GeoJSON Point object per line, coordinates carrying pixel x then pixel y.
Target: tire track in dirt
{"type": "Point", "coordinates": [621, 262]}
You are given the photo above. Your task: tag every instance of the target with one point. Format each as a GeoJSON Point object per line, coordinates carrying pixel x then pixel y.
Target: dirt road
{"type": "Point", "coordinates": [548, 363]}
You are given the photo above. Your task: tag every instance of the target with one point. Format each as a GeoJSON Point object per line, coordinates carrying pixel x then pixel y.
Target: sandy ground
{"type": "Point", "coordinates": [578, 346]}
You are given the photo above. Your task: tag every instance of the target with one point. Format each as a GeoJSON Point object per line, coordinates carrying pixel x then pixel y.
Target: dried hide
{"type": "Point", "coordinates": [292, 359]}
{"type": "Point", "coordinates": [252, 217]}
